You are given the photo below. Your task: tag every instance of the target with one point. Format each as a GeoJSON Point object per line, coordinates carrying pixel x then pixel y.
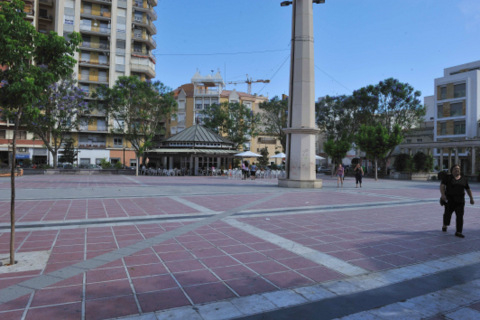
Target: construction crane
{"type": "Point", "coordinates": [249, 82]}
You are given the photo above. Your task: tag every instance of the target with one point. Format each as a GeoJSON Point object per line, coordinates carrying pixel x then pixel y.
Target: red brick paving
{"type": "Point", "coordinates": [217, 261]}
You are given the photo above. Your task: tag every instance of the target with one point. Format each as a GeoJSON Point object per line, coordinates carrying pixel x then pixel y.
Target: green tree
{"type": "Point", "coordinates": [337, 149]}
{"type": "Point", "coordinates": [336, 117]}
{"type": "Point", "coordinates": [69, 154]}
{"type": "Point", "coordinates": [376, 141]}
{"type": "Point", "coordinates": [390, 103]}
{"type": "Point", "coordinates": [138, 109]}
{"type": "Point", "coordinates": [274, 119]}
{"type": "Point", "coordinates": [62, 110]}
{"type": "Point", "coordinates": [263, 160]}
{"type": "Point", "coordinates": [235, 121]}
{"type": "Point", "coordinates": [32, 61]}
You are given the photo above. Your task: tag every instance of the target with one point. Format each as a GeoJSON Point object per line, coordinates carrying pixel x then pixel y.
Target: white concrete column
{"type": "Point", "coordinates": [301, 130]}
{"type": "Point", "coordinates": [170, 162]}
{"type": "Point", "coordinates": [456, 157]}
{"type": "Point", "coordinates": [195, 168]}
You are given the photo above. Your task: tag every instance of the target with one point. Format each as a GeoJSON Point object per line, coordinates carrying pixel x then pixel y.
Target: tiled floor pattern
{"type": "Point", "coordinates": [220, 261]}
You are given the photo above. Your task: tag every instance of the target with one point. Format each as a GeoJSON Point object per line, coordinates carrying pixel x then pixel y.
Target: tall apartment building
{"type": "Point", "coordinates": [205, 90]}
{"type": "Point", "coordinates": [117, 41]}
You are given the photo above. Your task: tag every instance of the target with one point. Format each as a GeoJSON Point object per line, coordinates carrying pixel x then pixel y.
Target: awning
{"type": "Point", "coordinates": [193, 151]}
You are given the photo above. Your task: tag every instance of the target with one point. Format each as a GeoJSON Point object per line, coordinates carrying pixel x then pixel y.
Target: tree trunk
{"type": "Point", "coordinates": [376, 169]}
{"type": "Point", "coordinates": [12, 189]}
{"type": "Point", "coordinates": [55, 159]}
{"type": "Point", "coordinates": [136, 167]}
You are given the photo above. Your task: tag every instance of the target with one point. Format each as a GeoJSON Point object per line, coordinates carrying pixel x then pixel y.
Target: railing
{"type": "Point", "coordinates": [103, 46]}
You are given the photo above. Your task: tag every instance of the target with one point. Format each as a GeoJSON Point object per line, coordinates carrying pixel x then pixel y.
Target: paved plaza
{"type": "Point", "coordinates": [148, 247]}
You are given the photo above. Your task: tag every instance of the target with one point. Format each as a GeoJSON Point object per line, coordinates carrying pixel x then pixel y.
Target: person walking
{"type": "Point", "coordinates": [452, 190]}
{"type": "Point", "coordinates": [340, 175]}
{"type": "Point", "coordinates": [253, 171]}
{"type": "Point", "coordinates": [358, 175]}
{"type": "Point", "coordinates": [244, 170]}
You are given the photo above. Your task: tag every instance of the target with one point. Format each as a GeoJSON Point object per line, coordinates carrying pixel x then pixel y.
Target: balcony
{"type": "Point", "coordinates": [206, 92]}
{"type": "Point", "coordinates": [142, 65]}
{"type": "Point", "coordinates": [47, 2]}
{"type": "Point", "coordinates": [103, 16]}
{"type": "Point", "coordinates": [93, 145]}
{"type": "Point", "coordinates": [95, 64]}
{"type": "Point", "coordinates": [94, 30]}
{"type": "Point", "coordinates": [95, 46]}
{"type": "Point", "coordinates": [109, 2]}
{"type": "Point", "coordinates": [92, 79]}
{"type": "Point", "coordinates": [45, 17]}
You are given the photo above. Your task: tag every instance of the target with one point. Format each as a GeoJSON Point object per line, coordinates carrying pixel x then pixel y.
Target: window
{"type": "Point", "coordinates": [121, 27]}
{"type": "Point", "coordinates": [121, 44]}
{"type": "Point", "coordinates": [85, 57]}
{"type": "Point", "coordinates": [119, 60]}
{"type": "Point", "coordinates": [419, 140]}
{"type": "Point", "coordinates": [409, 140]}
{"type": "Point", "coordinates": [440, 111]}
{"type": "Point", "coordinates": [133, 163]}
{"type": "Point", "coordinates": [101, 125]}
{"type": "Point", "coordinates": [459, 127]}
{"type": "Point", "coordinates": [68, 19]}
{"type": "Point", "coordinates": [3, 134]}
{"type": "Point", "coordinates": [443, 93]}
{"type": "Point", "coordinates": [84, 161]}
{"type": "Point", "coordinates": [102, 59]}
{"type": "Point", "coordinates": [456, 109]}
{"type": "Point", "coordinates": [118, 142]}
{"type": "Point", "coordinates": [181, 105]}
{"type": "Point", "coordinates": [69, 4]}
{"type": "Point", "coordinates": [118, 124]}
{"type": "Point", "coordinates": [102, 76]}
{"type": "Point", "coordinates": [459, 90]}
{"type": "Point", "coordinates": [22, 135]}
{"type": "Point", "coordinates": [443, 128]}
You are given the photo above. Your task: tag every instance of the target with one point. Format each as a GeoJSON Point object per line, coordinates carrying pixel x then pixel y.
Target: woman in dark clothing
{"type": "Point", "coordinates": [358, 175]}
{"type": "Point", "coordinates": [453, 189]}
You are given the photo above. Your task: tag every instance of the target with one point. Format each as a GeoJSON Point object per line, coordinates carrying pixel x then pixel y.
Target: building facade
{"type": "Point", "coordinates": [117, 41]}
{"type": "Point", "coordinates": [453, 115]}
{"type": "Point", "coordinates": [202, 91]}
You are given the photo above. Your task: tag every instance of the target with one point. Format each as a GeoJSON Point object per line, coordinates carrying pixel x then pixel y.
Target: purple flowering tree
{"type": "Point", "coordinates": [24, 81]}
{"type": "Point", "coordinates": [62, 110]}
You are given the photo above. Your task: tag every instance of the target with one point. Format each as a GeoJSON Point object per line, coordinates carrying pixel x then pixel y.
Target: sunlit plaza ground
{"type": "Point", "coordinates": [159, 247]}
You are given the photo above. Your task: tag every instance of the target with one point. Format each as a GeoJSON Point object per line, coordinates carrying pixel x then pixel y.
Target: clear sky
{"type": "Point", "coordinates": [357, 42]}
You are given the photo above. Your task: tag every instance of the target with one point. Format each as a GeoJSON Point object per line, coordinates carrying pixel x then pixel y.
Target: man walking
{"type": "Point", "coordinates": [453, 189]}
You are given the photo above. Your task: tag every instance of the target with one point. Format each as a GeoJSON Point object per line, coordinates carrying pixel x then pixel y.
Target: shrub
{"type": "Point", "coordinates": [118, 165]}
{"type": "Point", "coordinates": [403, 162]}
{"type": "Point", "coordinates": [423, 162]}
{"type": "Point", "coordinates": [105, 164]}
